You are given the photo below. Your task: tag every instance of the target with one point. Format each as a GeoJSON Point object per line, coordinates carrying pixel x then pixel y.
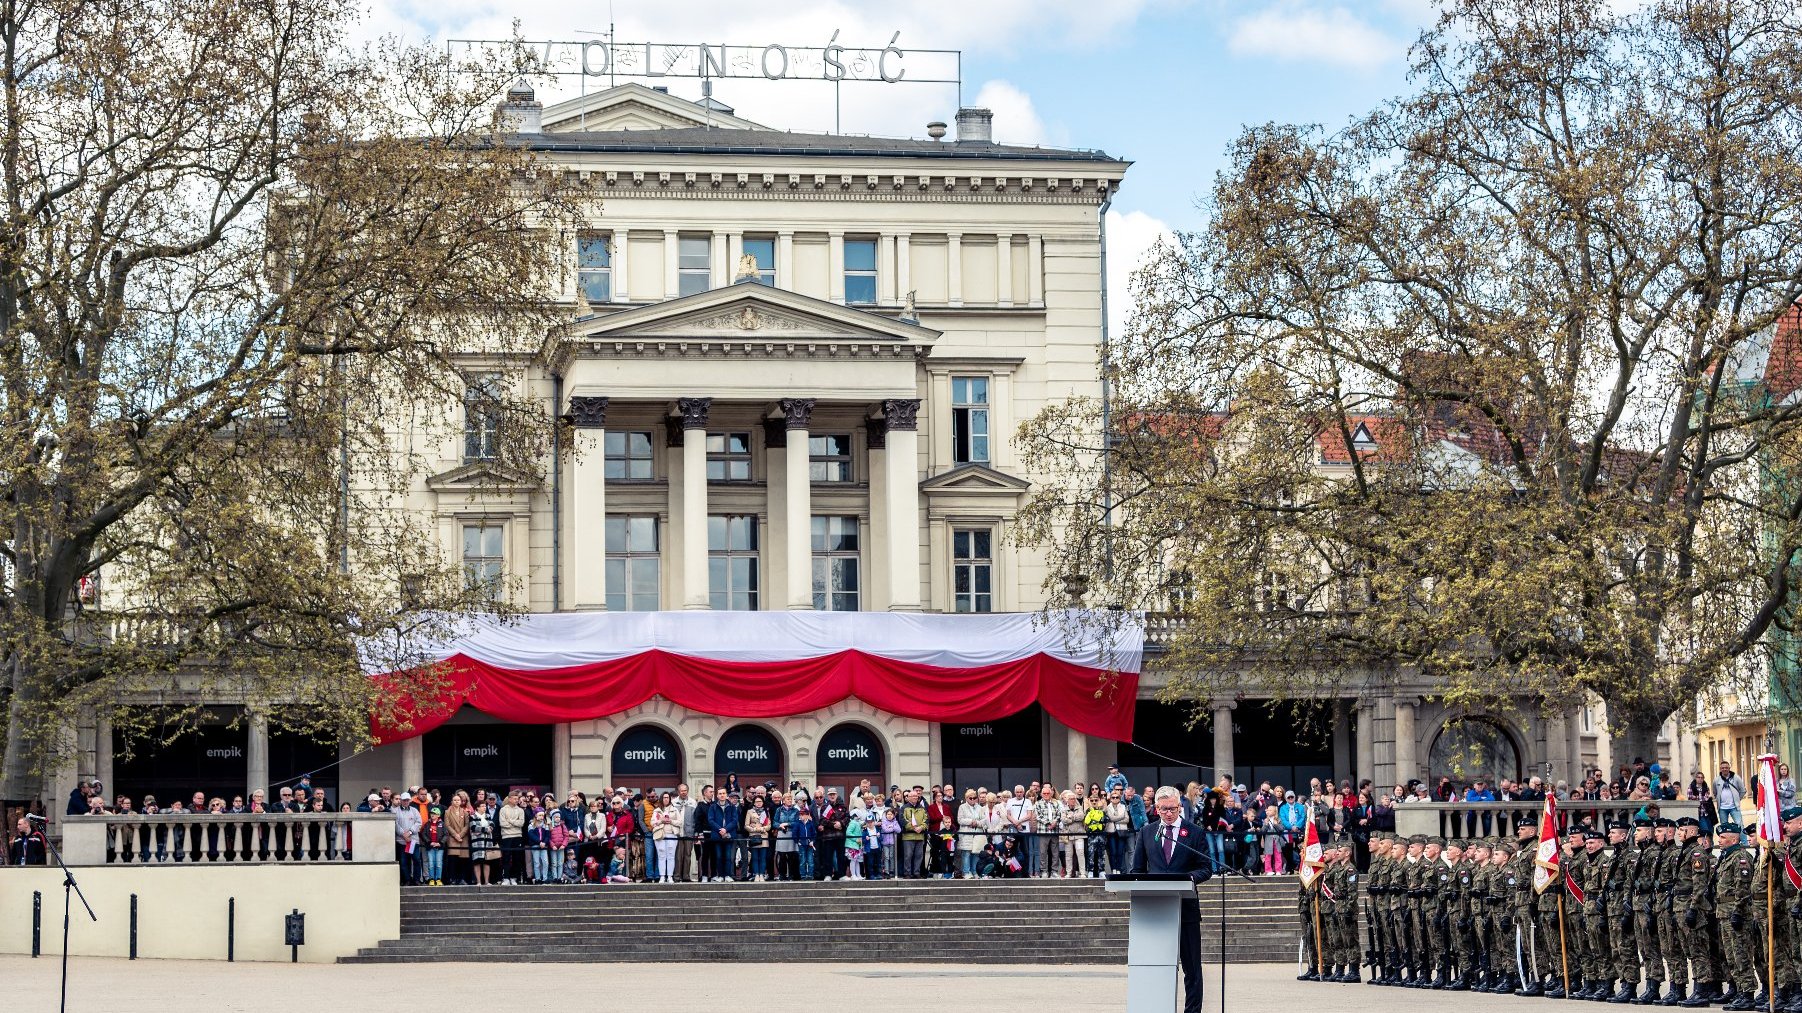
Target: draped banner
{"type": "Point", "coordinates": [1082, 668]}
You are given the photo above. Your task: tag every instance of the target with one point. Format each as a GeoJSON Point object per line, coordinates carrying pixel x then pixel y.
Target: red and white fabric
{"type": "Point", "coordinates": [1081, 667]}
{"type": "Point", "coordinates": [1770, 824]}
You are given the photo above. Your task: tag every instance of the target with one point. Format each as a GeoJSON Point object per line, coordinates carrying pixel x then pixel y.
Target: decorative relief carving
{"type": "Point", "coordinates": [694, 411]}
{"type": "Point", "coordinates": [797, 411]}
{"type": "Point", "coordinates": [901, 414]}
{"type": "Point", "coordinates": [587, 412]}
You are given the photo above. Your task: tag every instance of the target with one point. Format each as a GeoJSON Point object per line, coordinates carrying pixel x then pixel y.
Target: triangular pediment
{"type": "Point", "coordinates": [481, 476]}
{"type": "Point", "coordinates": [975, 478]}
{"type": "Point", "coordinates": [747, 311]}
{"type": "Point", "coordinates": [633, 106]}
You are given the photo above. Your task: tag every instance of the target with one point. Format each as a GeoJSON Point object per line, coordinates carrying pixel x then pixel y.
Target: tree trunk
{"type": "Point", "coordinates": [1633, 737]}
{"type": "Point", "coordinates": [21, 780]}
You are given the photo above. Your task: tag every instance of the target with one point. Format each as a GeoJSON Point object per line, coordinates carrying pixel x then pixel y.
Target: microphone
{"type": "Point", "coordinates": [1215, 862]}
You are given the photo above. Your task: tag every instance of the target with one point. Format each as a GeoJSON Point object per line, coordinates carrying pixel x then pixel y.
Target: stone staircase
{"type": "Point", "coordinates": [1034, 921]}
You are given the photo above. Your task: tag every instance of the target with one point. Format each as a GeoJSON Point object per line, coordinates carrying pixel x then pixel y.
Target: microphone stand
{"type": "Point", "coordinates": [69, 884]}
{"type": "Point", "coordinates": [1225, 868]}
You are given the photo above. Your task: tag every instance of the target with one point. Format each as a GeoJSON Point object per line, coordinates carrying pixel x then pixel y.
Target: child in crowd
{"type": "Point", "coordinates": [1271, 830]}
{"type": "Point", "coordinates": [1094, 819]}
{"type": "Point", "coordinates": [854, 844]}
{"type": "Point", "coordinates": [805, 833]}
{"type": "Point", "coordinates": [433, 837]}
{"type": "Point", "coordinates": [891, 834]}
{"type": "Point", "coordinates": [616, 869]}
{"type": "Point", "coordinates": [559, 845]}
{"type": "Point", "coordinates": [538, 843]}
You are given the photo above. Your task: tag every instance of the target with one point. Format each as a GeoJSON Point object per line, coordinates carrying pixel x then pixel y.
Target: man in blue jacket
{"type": "Point", "coordinates": [1168, 846]}
{"type": "Point", "coordinates": [722, 826]}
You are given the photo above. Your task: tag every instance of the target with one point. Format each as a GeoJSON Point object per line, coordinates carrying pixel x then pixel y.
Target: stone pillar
{"type": "Point", "coordinates": [622, 266]}
{"type": "Point", "coordinates": [1342, 745]}
{"type": "Point", "coordinates": [1004, 270]}
{"type": "Point", "coordinates": [797, 413]}
{"type": "Point", "coordinates": [1035, 270]}
{"type": "Point", "coordinates": [412, 762]}
{"type": "Point", "coordinates": [876, 579]}
{"type": "Point", "coordinates": [694, 501]}
{"type": "Point", "coordinates": [719, 269]}
{"type": "Point", "coordinates": [885, 270]}
{"type": "Point", "coordinates": [901, 482]}
{"type": "Point", "coordinates": [560, 776]}
{"type": "Point", "coordinates": [903, 269]}
{"type": "Point", "coordinates": [256, 753]}
{"type": "Point", "coordinates": [785, 260]}
{"type": "Point", "coordinates": [1407, 767]}
{"type": "Point", "coordinates": [672, 262]}
{"type": "Point", "coordinates": [1366, 733]}
{"type": "Point", "coordinates": [103, 751]}
{"type": "Point", "coordinates": [836, 267]}
{"type": "Point", "coordinates": [1223, 741]}
{"type": "Point", "coordinates": [585, 528]}
{"type": "Point", "coordinates": [1076, 753]}
{"type": "Point", "coordinates": [954, 284]}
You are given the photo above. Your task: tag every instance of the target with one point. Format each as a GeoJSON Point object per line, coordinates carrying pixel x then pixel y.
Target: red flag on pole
{"type": "Point", "coordinates": [1311, 862]}
{"type": "Point", "coordinates": [1770, 826]}
{"type": "Point", "coordinates": [1547, 860]}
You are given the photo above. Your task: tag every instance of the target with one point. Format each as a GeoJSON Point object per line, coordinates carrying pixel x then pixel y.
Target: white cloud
{"type": "Point", "coordinates": [1292, 31]}
{"type": "Point", "coordinates": [1016, 120]}
{"type": "Point", "coordinates": [1131, 235]}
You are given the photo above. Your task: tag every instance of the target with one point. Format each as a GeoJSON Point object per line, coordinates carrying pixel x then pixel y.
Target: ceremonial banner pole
{"type": "Point", "coordinates": [1563, 952]}
{"type": "Point", "coordinates": [1319, 952]}
{"type": "Point", "coordinates": [1770, 831]}
{"type": "Point", "coordinates": [1770, 927]}
{"type": "Point", "coordinates": [1549, 871]}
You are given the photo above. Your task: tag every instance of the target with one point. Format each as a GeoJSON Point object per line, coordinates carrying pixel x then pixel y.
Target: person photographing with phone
{"type": "Point", "coordinates": [1167, 847]}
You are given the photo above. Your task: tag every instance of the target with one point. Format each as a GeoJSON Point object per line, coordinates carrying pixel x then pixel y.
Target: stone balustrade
{"type": "Point", "coordinates": [1454, 820]}
{"type": "Point", "coordinates": [228, 838]}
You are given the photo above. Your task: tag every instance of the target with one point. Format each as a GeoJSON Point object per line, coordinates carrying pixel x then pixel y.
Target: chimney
{"type": "Point", "coordinates": [521, 113]}
{"type": "Point", "coordinates": [975, 125]}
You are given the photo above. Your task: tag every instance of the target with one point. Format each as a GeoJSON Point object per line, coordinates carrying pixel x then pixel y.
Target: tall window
{"type": "Point", "coordinates": [970, 419]}
{"type": "Point", "coordinates": [694, 264]}
{"type": "Point", "coordinates": [860, 272]}
{"type": "Point", "coordinates": [829, 458]}
{"type": "Point", "coordinates": [632, 564]}
{"type": "Point", "coordinates": [835, 559]}
{"type": "Point", "coordinates": [972, 570]}
{"type": "Point", "coordinates": [594, 267]}
{"type": "Point", "coordinates": [763, 251]}
{"type": "Point", "coordinates": [732, 563]}
{"type": "Point", "coordinates": [481, 416]}
{"type": "Point", "coordinates": [728, 457]}
{"type": "Point", "coordinates": [484, 564]}
{"type": "Point", "coordinates": [628, 456]}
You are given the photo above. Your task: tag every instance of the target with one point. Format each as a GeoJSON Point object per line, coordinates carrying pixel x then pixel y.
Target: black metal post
{"type": "Point", "coordinates": [231, 929]}
{"type": "Point", "coordinates": [37, 922]}
{"type": "Point", "coordinates": [69, 888]}
{"type": "Point", "coordinates": [134, 927]}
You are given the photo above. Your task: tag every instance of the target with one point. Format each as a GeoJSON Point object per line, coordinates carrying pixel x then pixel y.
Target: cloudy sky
{"type": "Point", "coordinates": [1165, 83]}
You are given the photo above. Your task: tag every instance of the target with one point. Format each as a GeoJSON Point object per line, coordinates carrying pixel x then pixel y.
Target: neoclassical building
{"type": "Point", "coordinates": [792, 366]}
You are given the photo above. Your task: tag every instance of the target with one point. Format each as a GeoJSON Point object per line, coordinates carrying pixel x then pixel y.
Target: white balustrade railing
{"type": "Point", "coordinates": [228, 838]}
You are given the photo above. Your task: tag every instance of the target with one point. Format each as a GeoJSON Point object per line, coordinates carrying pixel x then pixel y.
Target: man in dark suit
{"type": "Point", "coordinates": [1170, 844]}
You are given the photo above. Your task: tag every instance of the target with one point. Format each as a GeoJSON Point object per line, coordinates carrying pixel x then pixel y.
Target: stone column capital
{"type": "Point", "coordinates": [797, 412]}
{"type": "Point", "coordinates": [587, 412]}
{"type": "Point", "coordinates": [693, 411]}
{"type": "Point", "coordinates": [901, 414]}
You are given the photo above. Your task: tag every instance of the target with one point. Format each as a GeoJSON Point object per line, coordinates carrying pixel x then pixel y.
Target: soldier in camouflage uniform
{"type": "Point", "coordinates": [1617, 914]}
{"type": "Point", "coordinates": [1401, 906]}
{"type": "Point", "coordinates": [1643, 899]}
{"type": "Point", "coordinates": [1566, 940]}
{"type": "Point", "coordinates": [1344, 882]}
{"type": "Point", "coordinates": [1735, 885]}
{"type": "Point", "coordinates": [1460, 900]}
{"type": "Point", "coordinates": [1436, 920]}
{"type": "Point", "coordinates": [1694, 894]}
{"type": "Point", "coordinates": [1665, 910]}
{"type": "Point", "coordinates": [1383, 953]}
{"type": "Point", "coordinates": [1789, 911]}
{"type": "Point", "coordinates": [1592, 877]}
{"type": "Point", "coordinates": [1505, 956]}
{"type": "Point", "coordinates": [1524, 907]}
{"type": "Point", "coordinates": [1414, 882]}
{"type": "Point", "coordinates": [1305, 899]}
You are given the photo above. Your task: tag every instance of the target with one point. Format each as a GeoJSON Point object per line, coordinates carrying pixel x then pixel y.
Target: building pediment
{"type": "Point", "coordinates": [979, 479]}
{"type": "Point", "coordinates": [481, 477]}
{"type": "Point", "coordinates": [633, 106]}
{"type": "Point", "coordinates": [749, 312]}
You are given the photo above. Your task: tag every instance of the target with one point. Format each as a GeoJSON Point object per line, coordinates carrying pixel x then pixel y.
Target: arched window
{"type": "Point", "coordinates": [850, 754]}
{"type": "Point", "coordinates": [646, 758]}
{"type": "Point", "coordinates": [751, 752]}
{"type": "Point", "coordinates": [1470, 747]}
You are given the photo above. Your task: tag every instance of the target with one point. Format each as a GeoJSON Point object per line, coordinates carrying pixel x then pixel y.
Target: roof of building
{"type": "Point", "coordinates": [716, 141]}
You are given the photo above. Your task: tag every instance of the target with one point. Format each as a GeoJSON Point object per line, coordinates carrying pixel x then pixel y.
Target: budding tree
{"type": "Point", "coordinates": [1475, 386]}
{"type": "Point", "coordinates": [237, 254]}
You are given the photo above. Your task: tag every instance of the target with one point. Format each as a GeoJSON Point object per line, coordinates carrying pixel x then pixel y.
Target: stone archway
{"type": "Point", "coordinates": [1474, 746]}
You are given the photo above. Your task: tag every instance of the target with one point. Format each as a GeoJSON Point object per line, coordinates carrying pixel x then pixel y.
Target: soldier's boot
{"type": "Point", "coordinates": [1343, 974]}
{"type": "Point", "coordinates": [1459, 982]}
{"type": "Point", "coordinates": [1648, 995]}
{"type": "Point", "coordinates": [1762, 1000]}
{"type": "Point", "coordinates": [1742, 1000]}
{"type": "Point", "coordinates": [1604, 987]}
{"type": "Point", "coordinates": [1354, 974]}
{"type": "Point", "coordinates": [1553, 988]}
{"type": "Point", "coordinates": [1625, 994]}
{"type": "Point", "coordinates": [1794, 1005]}
{"type": "Point", "coordinates": [1504, 983]}
{"type": "Point", "coordinates": [1697, 998]}
{"type": "Point", "coordinates": [1673, 995]}
{"type": "Point", "coordinates": [1531, 989]}
{"type": "Point", "coordinates": [1311, 974]}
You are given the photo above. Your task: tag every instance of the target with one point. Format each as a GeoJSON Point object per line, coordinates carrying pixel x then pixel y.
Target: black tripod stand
{"type": "Point", "coordinates": [69, 886]}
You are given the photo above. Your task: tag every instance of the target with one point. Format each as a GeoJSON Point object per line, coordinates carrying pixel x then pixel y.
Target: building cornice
{"type": "Point", "coordinates": [964, 188]}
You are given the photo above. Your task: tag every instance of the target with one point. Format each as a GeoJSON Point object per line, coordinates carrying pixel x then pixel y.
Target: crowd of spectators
{"type": "Point", "coordinates": [760, 832]}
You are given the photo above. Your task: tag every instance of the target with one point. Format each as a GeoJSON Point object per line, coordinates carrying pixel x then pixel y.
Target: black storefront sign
{"type": "Point", "coordinates": [209, 758]}
{"type": "Point", "coordinates": [646, 751]}
{"type": "Point", "coordinates": [850, 749]}
{"type": "Point", "coordinates": [1015, 740]}
{"type": "Point", "coordinates": [749, 751]}
{"type": "Point", "coordinates": [488, 756]}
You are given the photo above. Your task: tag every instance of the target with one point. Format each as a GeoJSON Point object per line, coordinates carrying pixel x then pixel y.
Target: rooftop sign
{"type": "Point", "coordinates": [833, 62]}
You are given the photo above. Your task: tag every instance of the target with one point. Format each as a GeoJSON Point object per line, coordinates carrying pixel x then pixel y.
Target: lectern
{"type": "Point", "coordinates": [1153, 932]}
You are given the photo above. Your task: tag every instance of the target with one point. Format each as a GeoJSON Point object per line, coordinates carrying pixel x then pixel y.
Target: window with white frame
{"type": "Point", "coordinates": [694, 264]}
{"type": "Point", "coordinates": [732, 562]}
{"type": "Point", "coordinates": [829, 457]}
{"type": "Point", "coordinates": [482, 394]}
{"type": "Point", "coordinates": [970, 419]}
{"type": "Point", "coordinates": [972, 570]}
{"type": "Point", "coordinates": [594, 266]}
{"type": "Point", "coordinates": [484, 560]}
{"type": "Point", "coordinates": [728, 457]}
{"type": "Point", "coordinates": [633, 564]}
{"type": "Point", "coordinates": [835, 564]}
{"type": "Point", "coordinates": [762, 250]}
{"type": "Point", "coordinates": [860, 272]}
{"type": "Point", "coordinates": [628, 455]}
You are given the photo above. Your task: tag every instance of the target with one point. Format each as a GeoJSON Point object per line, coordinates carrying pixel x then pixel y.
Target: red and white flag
{"type": "Point", "coordinates": [1311, 862]}
{"type": "Point", "coordinates": [1547, 859]}
{"type": "Point", "coordinates": [1770, 824]}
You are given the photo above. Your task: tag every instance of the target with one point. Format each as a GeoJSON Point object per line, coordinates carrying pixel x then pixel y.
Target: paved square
{"type": "Point", "coordinates": [181, 986]}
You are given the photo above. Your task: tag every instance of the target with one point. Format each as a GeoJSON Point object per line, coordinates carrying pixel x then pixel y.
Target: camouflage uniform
{"type": "Point", "coordinates": [1593, 878]}
{"type": "Point", "coordinates": [1417, 877]}
{"type": "Point", "coordinates": [1461, 900]}
{"type": "Point", "coordinates": [1505, 958]}
{"type": "Point", "coordinates": [1735, 885]}
{"type": "Point", "coordinates": [1617, 905]}
{"type": "Point", "coordinates": [1694, 893]}
{"type": "Point", "coordinates": [1643, 899]}
{"type": "Point", "coordinates": [1669, 912]}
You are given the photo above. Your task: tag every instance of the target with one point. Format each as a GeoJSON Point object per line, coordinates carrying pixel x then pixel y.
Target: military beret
{"type": "Point", "coordinates": [1728, 826]}
{"type": "Point", "coordinates": [1664, 822]}
{"type": "Point", "coordinates": [1791, 813]}
{"type": "Point", "coordinates": [1525, 821]}
{"type": "Point", "coordinates": [1593, 835]}
{"type": "Point", "coordinates": [1688, 821]}
{"type": "Point", "coordinates": [1617, 825]}
{"type": "Point", "coordinates": [1641, 822]}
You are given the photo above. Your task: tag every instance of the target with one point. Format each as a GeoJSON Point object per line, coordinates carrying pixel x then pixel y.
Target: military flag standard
{"type": "Point", "coordinates": [1311, 862]}
{"type": "Point", "coordinates": [1770, 825]}
{"type": "Point", "coordinates": [1547, 859]}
